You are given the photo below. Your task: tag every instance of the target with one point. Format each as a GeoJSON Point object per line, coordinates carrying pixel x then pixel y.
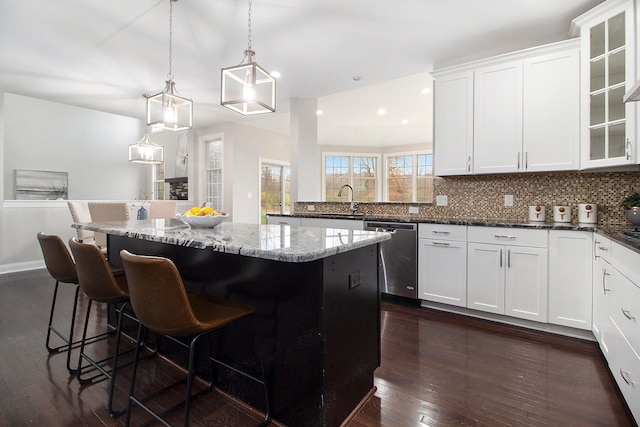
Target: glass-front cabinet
{"type": "Point", "coordinates": [608, 70]}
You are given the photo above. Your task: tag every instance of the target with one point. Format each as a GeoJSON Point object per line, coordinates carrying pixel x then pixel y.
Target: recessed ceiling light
{"type": "Point", "coordinates": [357, 78]}
{"type": "Point", "coordinates": [275, 74]}
{"type": "Point", "coordinates": [426, 91]}
{"type": "Point", "coordinates": [319, 112]}
{"type": "Point", "coordinates": [382, 111]}
{"type": "Point", "coordinates": [405, 121]}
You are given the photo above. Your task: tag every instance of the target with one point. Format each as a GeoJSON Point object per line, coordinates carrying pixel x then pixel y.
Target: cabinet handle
{"type": "Point", "coordinates": [468, 163]}
{"type": "Point", "coordinates": [595, 252]}
{"type": "Point", "coordinates": [518, 160]}
{"type": "Point", "coordinates": [627, 314]}
{"type": "Point", "coordinates": [500, 258]}
{"type": "Point", "coordinates": [441, 244]}
{"type": "Point", "coordinates": [625, 377]}
{"type": "Point", "coordinates": [604, 288]}
{"type": "Point", "coordinates": [627, 150]}
{"type": "Point", "coordinates": [508, 258]}
{"type": "Point", "coordinates": [603, 248]}
{"type": "Point", "coordinates": [501, 236]}
{"type": "Point", "coordinates": [282, 223]}
{"type": "Point", "coordinates": [440, 232]}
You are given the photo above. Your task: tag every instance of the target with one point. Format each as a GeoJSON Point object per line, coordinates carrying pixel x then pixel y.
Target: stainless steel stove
{"type": "Point", "coordinates": [632, 232]}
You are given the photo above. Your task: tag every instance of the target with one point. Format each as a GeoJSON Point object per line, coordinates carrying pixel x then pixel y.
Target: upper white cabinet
{"type": "Point", "coordinates": [497, 131]}
{"type": "Point", "coordinates": [453, 124]}
{"type": "Point", "coordinates": [608, 71]}
{"type": "Point", "coordinates": [524, 114]}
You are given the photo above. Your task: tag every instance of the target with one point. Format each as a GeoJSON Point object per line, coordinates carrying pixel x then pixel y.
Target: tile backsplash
{"type": "Point", "coordinates": [482, 196]}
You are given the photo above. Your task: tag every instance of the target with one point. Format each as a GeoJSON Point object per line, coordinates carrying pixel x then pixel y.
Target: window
{"type": "Point", "coordinates": [275, 193]}
{"type": "Point", "coordinates": [158, 182]}
{"type": "Point", "coordinates": [213, 187]}
{"type": "Point", "coordinates": [409, 177]}
{"type": "Point", "coordinates": [357, 170]}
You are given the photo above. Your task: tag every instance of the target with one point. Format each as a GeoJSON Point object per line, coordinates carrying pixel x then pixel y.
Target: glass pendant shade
{"type": "Point", "coordinates": [145, 151]}
{"type": "Point", "coordinates": [169, 111]}
{"type": "Point", "coordinates": [248, 89]}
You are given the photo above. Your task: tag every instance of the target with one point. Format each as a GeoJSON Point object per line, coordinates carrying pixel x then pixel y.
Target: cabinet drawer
{"type": "Point", "coordinates": [508, 236]}
{"type": "Point", "coordinates": [625, 308]}
{"type": "Point", "coordinates": [625, 368]}
{"type": "Point", "coordinates": [443, 232]}
{"type": "Point", "coordinates": [626, 262]}
{"type": "Point", "coordinates": [602, 248]}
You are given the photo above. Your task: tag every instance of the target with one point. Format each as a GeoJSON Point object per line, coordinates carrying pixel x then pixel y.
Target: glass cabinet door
{"type": "Point", "coordinates": [608, 58]}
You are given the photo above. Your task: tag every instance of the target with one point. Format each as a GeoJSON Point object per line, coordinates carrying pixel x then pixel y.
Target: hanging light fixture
{"type": "Point", "coordinates": [167, 109]}
{"type": "Point", "coordinates": [247, 88]}
{"type": "Point", "coordinates": [145, 151]}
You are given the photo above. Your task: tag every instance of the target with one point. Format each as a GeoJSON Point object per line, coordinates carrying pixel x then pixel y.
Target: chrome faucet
{"type": "Point", "coordinates": [353, 207]}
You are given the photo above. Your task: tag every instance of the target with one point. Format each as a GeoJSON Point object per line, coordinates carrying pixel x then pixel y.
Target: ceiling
{"type": "Point", "coordinates": [104, 55]}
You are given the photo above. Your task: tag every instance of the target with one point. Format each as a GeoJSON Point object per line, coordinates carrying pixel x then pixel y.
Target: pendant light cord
{"type": "Point", "coordinates": [170, 75]}
{"type": "Point", "coordinates": [249, 22]}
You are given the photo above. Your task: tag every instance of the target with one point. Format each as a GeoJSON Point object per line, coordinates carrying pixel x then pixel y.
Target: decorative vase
{"type": "Point", "coordinates": [142, 213]}
{"type": "Point", "coordinates": [633, 215]}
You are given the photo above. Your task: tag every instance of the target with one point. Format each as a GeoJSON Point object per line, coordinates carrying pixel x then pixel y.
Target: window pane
{"type": "Point", "coordinates": [364, 179]}
{"type": "Point", "coordinates": [424, 178]}
{"type": "Point", "coordinates": [158, 186]}
{"type": "Point", "coordinates": [213, 188]}
{"type": "Point", "coordinates": [336, 175]}
{"type": "Point", "coordinates": [400, 171]}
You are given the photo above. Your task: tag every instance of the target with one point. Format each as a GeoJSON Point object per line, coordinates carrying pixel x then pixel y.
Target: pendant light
{"type": "Point", "coordinates": [248, 88]}
{"type": "Point", "coordinates": [168, 110]}
{"type": "Point", "coordinates": [145, 151]}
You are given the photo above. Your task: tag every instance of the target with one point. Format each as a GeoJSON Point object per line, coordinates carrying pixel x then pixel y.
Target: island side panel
{"type": "Point", "coordinates": [286, 328]}
{"type": "Point", "coordinates": [351, 319]}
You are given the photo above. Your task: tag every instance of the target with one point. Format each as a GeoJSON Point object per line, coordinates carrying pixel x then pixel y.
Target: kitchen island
{"type": "Point", "coordinates": [317, 320]}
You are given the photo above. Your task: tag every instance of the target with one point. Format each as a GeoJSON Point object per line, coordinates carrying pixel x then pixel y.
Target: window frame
{"type": "Point", "coordinates": [414, 173]}
{"type": "Point", "coordinates": [351, 156]}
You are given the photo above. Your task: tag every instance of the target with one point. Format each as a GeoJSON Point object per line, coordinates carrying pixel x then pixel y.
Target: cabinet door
{"type": "Point", "coordinates": [343, 224]}
{"type": "Point", "coordinates": [570, 278]}
{"type": "Point", "coordinates": [442, 271]}
{"type": "Point", "coordinates": [283, 220]}
{"type": "Point", "coordinates": [601, 286]}
{"type": "Point", "coordinates": [608, 71]}
{"type": "Point", "coordinates": [497, 138]}
{"type": "Point", "coordinates": [526, 283]}
{"type": "Point", "coordinates": [551, 121]}
{"type": "Point", "coordinates": [485, 277]}
{"type": "Point", "coordinates": [453, 124]}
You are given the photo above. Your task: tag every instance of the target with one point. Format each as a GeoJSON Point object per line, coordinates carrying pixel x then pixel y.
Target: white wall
{"type": "Point", "coordinates": [243, 147]}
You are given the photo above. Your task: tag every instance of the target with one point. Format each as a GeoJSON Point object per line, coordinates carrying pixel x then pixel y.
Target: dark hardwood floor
{"type": "Point", "coordinates": [438, 369]}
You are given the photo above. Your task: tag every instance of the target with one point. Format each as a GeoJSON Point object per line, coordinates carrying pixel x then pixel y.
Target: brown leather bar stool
{"type": "Point", "coordinates": [101, 284]}
{"type": "Point", "coordinates": [162, 305]}
{"type": "Point", "coordinates": [62, 268]}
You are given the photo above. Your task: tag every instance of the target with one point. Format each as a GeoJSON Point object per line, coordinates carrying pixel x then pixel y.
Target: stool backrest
{"type": "Point", "coordinates": [94, 274]}
{"type": "Point", "coordinates": [57, 258]}
{"type": "Point", "coordinates": [80, 213]}
{"type": "Point", "coordinates": [158, 296]}
{"type": "Point", "coordinates": [159, 209]}
{"type": "Point", "coordinates": [107, 211]}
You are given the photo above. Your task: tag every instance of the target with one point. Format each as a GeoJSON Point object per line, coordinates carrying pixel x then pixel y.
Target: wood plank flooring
{"type": "Point", "coordinates": [438, 369]}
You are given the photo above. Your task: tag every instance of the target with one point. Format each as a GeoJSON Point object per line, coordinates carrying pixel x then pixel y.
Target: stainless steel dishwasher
{"type": "Point", "coordinates": [398, 261]}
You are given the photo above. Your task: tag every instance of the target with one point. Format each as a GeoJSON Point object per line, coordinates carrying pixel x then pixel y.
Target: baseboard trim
{"type": "Point", "coordinates": [21, 266]}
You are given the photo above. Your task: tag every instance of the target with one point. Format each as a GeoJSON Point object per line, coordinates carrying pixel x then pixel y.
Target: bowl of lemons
{"type": "Point", "coordinates": [205, 217]}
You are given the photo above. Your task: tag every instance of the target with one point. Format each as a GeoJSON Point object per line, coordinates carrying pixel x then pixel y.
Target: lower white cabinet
{"type": "Point", "coordinates": [348, 224]}
{"type": "Point", "coordinates": [283, 220]}
{"type": "Point", "coordinates": [442, 263]}
{"type": "Point", "coordinates": [507, 272]}
{"type": "Point", "coordinates": [570, 278]}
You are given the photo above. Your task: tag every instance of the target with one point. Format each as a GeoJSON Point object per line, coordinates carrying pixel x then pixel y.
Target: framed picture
{"type": "Point", "coordinates": [41, 185]}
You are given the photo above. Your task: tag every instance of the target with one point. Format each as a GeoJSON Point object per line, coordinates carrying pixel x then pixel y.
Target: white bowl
{"type": "Point", "coordinates": [206, 221]}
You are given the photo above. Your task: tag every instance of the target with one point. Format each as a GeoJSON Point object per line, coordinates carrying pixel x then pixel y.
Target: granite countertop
{"type": "Point", "coordinates": [274, 242]}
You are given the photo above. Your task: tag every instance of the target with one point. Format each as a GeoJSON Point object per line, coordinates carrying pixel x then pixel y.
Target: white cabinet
{"type": "Point", "coordinates": [607, 34]}
{"type": "Point", "coordinates": [507, 271]}
{"type": "Point", "coordinates": [522, 113]}
{"type": "Point", "coordinates": [551, 112]}
{"type": "Point", "coordinates": [283, 220]}
{"type": "Point", "coordinates": [347, 224]}
{"type": "Point", "coordinates": [570, 278]}
{"type": "Point", "coordinates": [497, 131]}
{"type": "Point", "coordinates": [453, 124]}
{"type": "Point", "coordinates": [442, 263]}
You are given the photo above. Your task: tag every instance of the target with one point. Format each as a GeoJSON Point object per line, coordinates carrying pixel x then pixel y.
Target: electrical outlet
{"type": "Point", "coordinates": [442, 200]}
{"type": "Point", "coordinates": [508, 200]}
{"type": "Point", "coordinates": [414, 209]}
{"type": "Point", "coordinates": [311, 208]}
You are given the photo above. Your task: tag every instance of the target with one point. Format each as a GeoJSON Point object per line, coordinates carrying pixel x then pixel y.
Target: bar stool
{"type": "Point", "coordinates": [102, 284]}
{"type": "Point", "coordinates": [62, 268]}
{"type": "Point", "coordinates": [162, 305]}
